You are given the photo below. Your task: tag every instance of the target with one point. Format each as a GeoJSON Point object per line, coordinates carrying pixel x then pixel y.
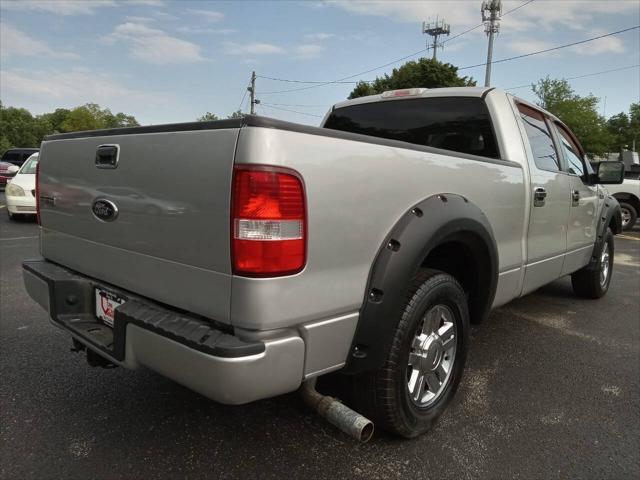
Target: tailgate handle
{"type": "Point", "coordinates": [107, 156]}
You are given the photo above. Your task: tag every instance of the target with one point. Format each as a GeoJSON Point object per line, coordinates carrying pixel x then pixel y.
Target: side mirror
{"type": "Point", "coordinates": [609, 173]}
{"type": "Point", "coordinates": [12, 169]}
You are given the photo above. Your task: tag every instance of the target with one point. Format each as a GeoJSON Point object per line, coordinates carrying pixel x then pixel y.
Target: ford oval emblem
{"type": "Point", "coordinates": [105, 210]}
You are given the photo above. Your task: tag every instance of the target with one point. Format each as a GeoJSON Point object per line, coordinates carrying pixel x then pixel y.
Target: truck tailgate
{"type": "Point", "coordinates": [170, 237]}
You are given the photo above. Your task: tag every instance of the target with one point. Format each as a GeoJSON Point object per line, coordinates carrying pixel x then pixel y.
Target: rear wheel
{"type": "Point", "coordinates": [593, 281]}
{"type": "Point", "coordinates": [629, 215]}
{"type": "Point", "coordinates": [424, 366]}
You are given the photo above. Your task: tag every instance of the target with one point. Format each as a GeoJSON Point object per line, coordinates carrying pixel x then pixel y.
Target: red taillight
{"type": "Point", "coordinates": [38, 192]}
{"type": "Point", "coordinates": [268, 222]}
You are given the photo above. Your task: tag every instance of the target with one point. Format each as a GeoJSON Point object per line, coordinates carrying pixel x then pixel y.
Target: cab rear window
{"type": "Point", "coordinates": [459, 124]}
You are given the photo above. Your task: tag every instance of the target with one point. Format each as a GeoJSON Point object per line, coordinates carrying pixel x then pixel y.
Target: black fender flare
{"type": "Point", "coordinates": [611, 214]}
{"type": "Point", "coordinates": [432, 222]}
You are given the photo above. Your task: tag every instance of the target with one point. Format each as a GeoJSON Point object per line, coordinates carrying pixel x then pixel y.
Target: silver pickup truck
{"type": "Point", "coordinates": [280, 252]}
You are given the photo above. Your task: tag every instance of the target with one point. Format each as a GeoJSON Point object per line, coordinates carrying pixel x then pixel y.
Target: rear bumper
{"type": "Point", "coordinates": [189, 350]}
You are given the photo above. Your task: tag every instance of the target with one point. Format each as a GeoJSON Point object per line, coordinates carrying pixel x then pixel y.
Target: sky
{"type": "Point", "coordinates": [167, 61]}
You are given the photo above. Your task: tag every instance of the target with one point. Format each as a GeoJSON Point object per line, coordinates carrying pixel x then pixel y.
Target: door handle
{"type": "Point", "coordinates": [539, 197]}
{"type": "Point", "coordinates": [575, 198]}
{"type": "Point", "coordinates": [107, 156]}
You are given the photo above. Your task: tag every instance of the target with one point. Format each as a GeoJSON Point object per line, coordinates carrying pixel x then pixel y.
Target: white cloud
{"type": "Point", "coordinates": [307, 51]}
{"type": "Point", "coordinates": [603, 45]}
{"type": "Point", "coordinates": [74, 86]}
{"type": "Point", "coordinates": [14, 42]}
{"type": "Point", "coordinates": [42, 91]}
{"type": "Point", "coordinates": [204, 30]}
{"type": "Point", "coordinates": [59, 7]}
{"type": "Point", "coordinates": [462, 14]}
{"type": "Point", "coordinates": [573, 14]}
{"type": "Point", "coordinates": [320, 36]}
{"type": "Point", "coordinates": [254, 48]}
{"type": "Point", "coordinates": [136, 19]}
{"type": "Point", "coordinates": [152, 45]}
{"type": "Point", "coordinates": [165, 15]}
{"type": "Point", "coordinates": [527, 45]}
{"type": "Point", "coordinates": [145, 3]}
{"type": "Point", "coordinates": [209, 15]}
{"type": "Point", "coordinates": [75, 7]}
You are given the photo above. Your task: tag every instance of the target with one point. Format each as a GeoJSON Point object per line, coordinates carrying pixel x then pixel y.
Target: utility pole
{"type": "Point", "coordinates": [491, 11]}
{"type": "Point", "coordinates": [252, 92]}
{"type": "Point", "coordinates": [435, 30]}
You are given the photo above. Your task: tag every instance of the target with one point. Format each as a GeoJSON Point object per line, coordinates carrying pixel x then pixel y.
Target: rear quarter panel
{"type": "Point", "coordinates": [356, 192]}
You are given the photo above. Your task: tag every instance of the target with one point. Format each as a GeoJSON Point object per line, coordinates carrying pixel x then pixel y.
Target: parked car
{"type": "Point", "coordinates": [20, 191]}
{"type": "Point", "coordinates": [7, 172]}
{"type": "Point", "coordinates": [366, 246]}
{"type": "Point", "coordinates": [17, 156]}
{"type": "Point", "coordinates": [628, 195]}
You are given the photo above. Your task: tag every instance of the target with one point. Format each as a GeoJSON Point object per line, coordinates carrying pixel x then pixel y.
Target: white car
{"type": "Point", "coordinates": [628, 195]}
{"type": "Point", "coordinates": [20, 190]}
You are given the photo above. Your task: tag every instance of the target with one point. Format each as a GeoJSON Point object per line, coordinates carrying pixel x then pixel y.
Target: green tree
{"type": "Point", "coordinates": [19, 128]}
{"type": "Point", "coordinates": [91, 117]}
{"type": "Point", "coordinates": [82, 118]}
{"type": "Point", "coordinates": [236, 114]}
{"type": "Point", "coordinates": [579, 113]}
{"type": "Point", "coordinates": [119, 120]}
{"type": "Point", "coordinates": [208, 117]}
{"type": "Point", "coordinates": [625, 129]}
{"type": "Point", "coordinates": [423, 73]}
{"type": "Point", "coordinates": [55, 119]}
{"type": "Point", "coordinates": [618, 127]}
{"type": "Point", "coordinates": [634, 125]}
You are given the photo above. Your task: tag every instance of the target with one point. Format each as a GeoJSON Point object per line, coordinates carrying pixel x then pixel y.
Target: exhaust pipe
{"type": "Point", "coordinates": [339, 415]}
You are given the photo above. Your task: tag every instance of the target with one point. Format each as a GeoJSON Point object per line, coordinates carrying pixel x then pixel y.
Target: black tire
{"type": "Point", "coordinates": [633, 215]}
{"type": "Point", "coordinates": [587, 282]}
{"type": "Point", "coordinates": [12, 216]}
{"type": "Point", "coordinates": [383, 395]}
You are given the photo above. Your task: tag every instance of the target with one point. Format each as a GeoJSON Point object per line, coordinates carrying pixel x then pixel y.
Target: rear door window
{"type": "Point", "coordinates": [459, 124]}
{"type": "Point", "coordinates": [540, 139]}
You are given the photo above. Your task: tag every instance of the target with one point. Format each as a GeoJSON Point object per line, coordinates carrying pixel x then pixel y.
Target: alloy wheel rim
{"type": "Point", "coordinates": [432, 356]}
{"type": "Point", "coordinates": [626, 217]}
{"type": "Point", "coordinates": [604, 265]}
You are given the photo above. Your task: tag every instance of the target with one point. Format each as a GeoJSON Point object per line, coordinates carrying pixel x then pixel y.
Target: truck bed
{"type": "Point", "coordinates": [171, 241]}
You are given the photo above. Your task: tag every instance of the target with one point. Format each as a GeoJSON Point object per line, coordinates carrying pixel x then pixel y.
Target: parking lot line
{"type": "Point", "coordinates": [17, 238]}
{"type": "Point", "coordinates": [628, 238]}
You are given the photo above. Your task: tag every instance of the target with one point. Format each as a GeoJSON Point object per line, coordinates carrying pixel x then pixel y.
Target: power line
{"type": "Point", "coordinates": [299, 105]}
{"type": "Point", "coordinates": [516, 8]}
{"type": "Point", "coordinates": [274, 105]}
{"type": "Point", "coordinates": [269, 105]}
{"type": "Point", "coordinates": [482, 24]}
{"type": "Point", "coordinates": [381, 66]}
{"type": "Point", "coordinates": [243, 97]}
{"type": "Point", "coordinates": [546, 50]}
{"type": "Point", "coordinates": [584, 76]}
{"type": "Point", "coordinates": [298, 81]}
{"type": "Point", "coordinates": [350, 76]}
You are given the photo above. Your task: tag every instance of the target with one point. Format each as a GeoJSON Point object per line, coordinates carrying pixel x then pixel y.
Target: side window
{"type": "Point", "coordinates": [571, 152]}
{"type": "Point", "coordinates": [540, 139]}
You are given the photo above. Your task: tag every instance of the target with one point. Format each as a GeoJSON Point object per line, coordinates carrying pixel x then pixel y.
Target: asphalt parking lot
{"type": "Point", "coordinates": [551, 391]}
